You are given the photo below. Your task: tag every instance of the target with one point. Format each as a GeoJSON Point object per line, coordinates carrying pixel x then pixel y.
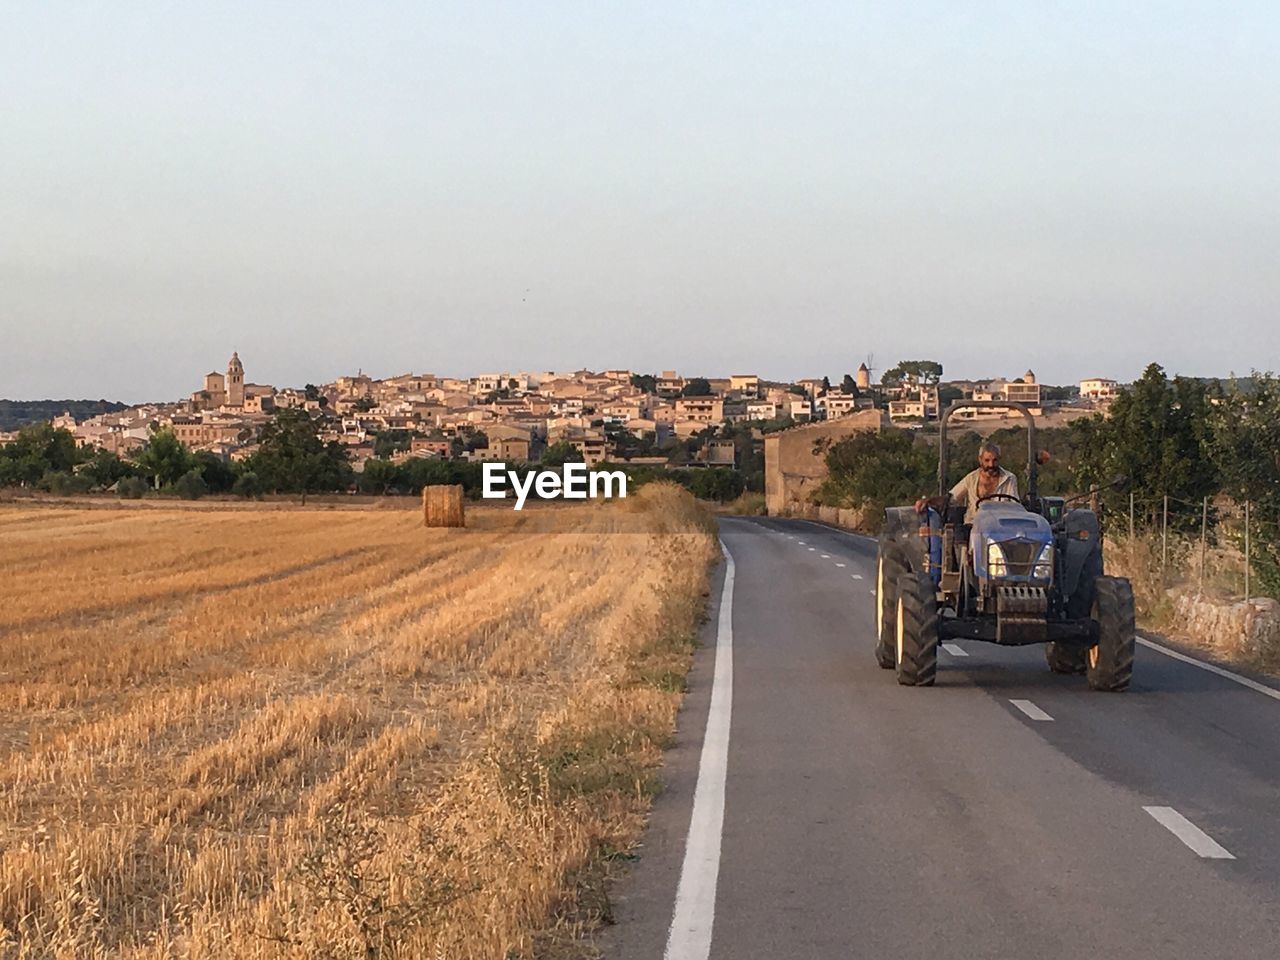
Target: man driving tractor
{"type": "Point", "coordinates": [989, 479]}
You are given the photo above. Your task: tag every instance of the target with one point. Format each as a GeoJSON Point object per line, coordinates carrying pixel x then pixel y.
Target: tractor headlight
{"type": "Point", "coordinates": [1043, 569]}
{"type": "Point", "coordinates": [996, 566]}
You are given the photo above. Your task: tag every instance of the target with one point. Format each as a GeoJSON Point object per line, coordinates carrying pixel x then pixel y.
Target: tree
{"type": "Point", "coordinates": [849, 386]}
{"type": "Point", "coordinates": [164, 459]}
{"type": "Point", "coordinates": [826, 385]}
{"type": "Point", "coordinates": [387, 442]}
{"type": "Point", "coordinates": [560, 453]}
{"type": "Point", "coordinates": [645, 382]}
{"type": "Point", "coordinates": [927, 372]}
{"type": "Point", "coordinates": [877, 470]}
{"type": "Point", "coordinates": [291, 457]}
{"type": "Point", "coordinates": [697, 387]}
{"type": "Point", "coordinates": [379, 476]}
{"type": "Point", "coordinates": [218, 475]}
{"type": "Point", "coordinates": [104, 468]}
{"type": "Point", "coordinates": [716, 483]}
{"type": "Point", "coordinates": [1157, 437]}
{"type": "Point", "coordinates": [37, 450]}
{"type": "Point", "coordinates": [190, 486]}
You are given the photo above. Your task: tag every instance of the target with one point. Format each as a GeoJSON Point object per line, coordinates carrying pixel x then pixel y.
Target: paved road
{"type": "Point", "coordinates": [864, 819]}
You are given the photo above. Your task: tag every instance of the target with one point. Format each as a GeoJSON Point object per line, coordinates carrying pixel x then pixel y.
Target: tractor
{"type": "Point", "coordinates": [1027, 570]}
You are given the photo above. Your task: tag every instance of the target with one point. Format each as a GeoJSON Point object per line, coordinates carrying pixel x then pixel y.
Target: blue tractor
{"type": "Point", "coordinates": [1027, 570]}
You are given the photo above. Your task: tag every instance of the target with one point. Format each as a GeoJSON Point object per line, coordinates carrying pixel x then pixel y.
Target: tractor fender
{"type": "Point", "coordinates": [1081, 561]}
{"type": "Point", "coordinates": [902, 528]}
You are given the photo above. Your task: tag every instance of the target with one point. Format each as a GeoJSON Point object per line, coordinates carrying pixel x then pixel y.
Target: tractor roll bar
{"type": "Point", "coordinates": [987, 404]}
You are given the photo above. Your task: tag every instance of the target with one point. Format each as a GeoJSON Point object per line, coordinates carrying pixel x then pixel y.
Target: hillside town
{"type": "Point", "coordinates": [610, 415]}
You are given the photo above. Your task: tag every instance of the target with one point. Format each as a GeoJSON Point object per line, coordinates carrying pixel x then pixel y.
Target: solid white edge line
{"type": "Point", "coordinates": [955, 650]}
{"type": "Point", "coordinates": [690, 935]}
{"type": "Point", "coordinates": [1186, 831]}
{"type": "Point", "coordinates": [1031, 710]}
{"type": "Point", "coordinates": [1262, 688]}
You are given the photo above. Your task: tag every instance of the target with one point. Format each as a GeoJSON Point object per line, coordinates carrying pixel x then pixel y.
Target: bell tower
{"type": "Point", "coordinates": [235, 382]}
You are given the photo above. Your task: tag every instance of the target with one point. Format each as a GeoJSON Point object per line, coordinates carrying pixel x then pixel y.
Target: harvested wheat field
{"type": "Point", "coordinates": [309, 733]}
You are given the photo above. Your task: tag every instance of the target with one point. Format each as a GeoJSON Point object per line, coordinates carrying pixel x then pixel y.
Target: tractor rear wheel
{"type": "Point", "coordinates": [916, 639]}
{"type": "Point", "coordinates": [1067, 659]}
{"type": "Point", "coordinates": [1109, 664]}
{"type": "Point", "coordinates": [890, 565]}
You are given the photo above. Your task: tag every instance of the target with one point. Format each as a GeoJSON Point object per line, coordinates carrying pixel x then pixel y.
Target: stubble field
{"type": "Point", "coordinates": [326, 733]}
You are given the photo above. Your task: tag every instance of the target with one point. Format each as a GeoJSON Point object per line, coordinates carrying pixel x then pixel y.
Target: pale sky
{"type": "Point", "coordinates": [716, 188]}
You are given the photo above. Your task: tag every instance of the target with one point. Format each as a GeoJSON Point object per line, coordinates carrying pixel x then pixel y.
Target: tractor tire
{"type": "Point", "coordinates": [1066, 659]}
{"type": "Point", "coordinates": [916, 633]}
{"type": "Point", "coordinates": [890, 565]}
{"type": "Point", "coordinates": [1109, 664]}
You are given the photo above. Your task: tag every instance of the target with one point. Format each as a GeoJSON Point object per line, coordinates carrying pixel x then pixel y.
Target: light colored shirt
{"type": "Point", "coordinates": [966, 491]}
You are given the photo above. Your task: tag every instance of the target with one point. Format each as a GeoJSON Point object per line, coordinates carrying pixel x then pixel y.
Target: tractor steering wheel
{"type": "Point", "coordinates": [999, 496]}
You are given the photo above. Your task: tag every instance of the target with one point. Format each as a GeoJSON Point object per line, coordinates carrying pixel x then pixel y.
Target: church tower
{"type": "Point", "coordinates": [235, 382]}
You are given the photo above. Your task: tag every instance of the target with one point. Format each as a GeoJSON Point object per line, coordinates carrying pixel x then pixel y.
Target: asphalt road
{"type": "Point", "coordinates": [858, 818]}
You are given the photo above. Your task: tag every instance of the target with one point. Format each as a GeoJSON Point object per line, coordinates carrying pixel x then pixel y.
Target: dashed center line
{"type": "Point", "coordinates": [856, 576]}
{"type": "Point", "coordinates": [839, 564]}
{"type": "Point", "coordinates": [955, 650]}
{"type": "Point", "coordinates": [1031, 710]}
{"type": "Point", "coordinates": [826, 556]}
{"type": "Point", "coordinates": [1186, 831]}
{"type": "Point", "coordinates": [812, 549]}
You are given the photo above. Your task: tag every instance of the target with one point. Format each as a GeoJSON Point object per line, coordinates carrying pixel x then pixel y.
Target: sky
{"type": "Point", "coordinates": [781, 189]}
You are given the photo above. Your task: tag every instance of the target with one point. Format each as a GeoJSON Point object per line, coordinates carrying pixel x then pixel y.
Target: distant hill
{"type": "Point", "coordinates": [21, 413]}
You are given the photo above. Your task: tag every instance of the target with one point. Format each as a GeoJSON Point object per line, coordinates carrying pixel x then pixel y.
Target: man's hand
{"type": "Point", "coordinates": [922, 504]}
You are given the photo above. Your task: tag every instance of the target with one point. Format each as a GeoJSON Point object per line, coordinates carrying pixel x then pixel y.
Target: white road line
{"type": "Point", "coordinates": [690, 935]}
{"type": "Point", "coordinates": [812, 549]}
{"type": "Point", "coordinates": [856, 576]}
{"type": "Point", "coordinates": [839, 564]}
{"type": "Point", "coordinates": [826, 556]}
{"type": "Point", "coordinates": [801, 542]}
{"type": "Point", "coordinates": [1262, 688]}
{"type": "Point", "coordinates": [1186, 831]}
{"type": "Point", "coordinates": [955, 650]}
{"type": "Point", "coordinates": [1031, 710]}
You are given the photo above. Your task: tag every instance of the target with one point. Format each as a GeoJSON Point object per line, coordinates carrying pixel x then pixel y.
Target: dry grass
{"type": "Point", "coordinates": [309, 733]}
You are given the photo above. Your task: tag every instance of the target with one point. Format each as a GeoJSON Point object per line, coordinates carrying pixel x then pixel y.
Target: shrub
{"type": "Point", "coordinates": [191, 485]}
{"type": "Point", "coordinates": [132, 488]}
{"type": "Point", "coordinates": [247, 485]}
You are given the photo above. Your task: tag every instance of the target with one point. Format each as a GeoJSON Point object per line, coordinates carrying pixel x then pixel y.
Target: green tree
{"type": "Point", "coordinates": [104, 468]}
{"type": "Point", "coordinates": [191, 485]}
{"type": "Point", "coordinates": [560, 453]}
{"type": "Point", "coordinates": [218, 475]}
{"type": "Point", "coordinates": [878, 470]}
{"type": "Point", "coordinates": [387, 442]}
{"type": "Point", "coordinates": [926, 372]}
{"type": "Point", "coordinates": [716, 483]}
{"type": "Point", "coordinates": [1245, 441]}
{"type": "Point", "coordinates": [645, 382]}
{"type": "Point", "coordinates": [1157, 437]}
{"type": "Point", "coordinates": [849, 386]}
{"type": "Point", "coordinates": [697, 387]}
{"type": "Point", "coordinates": [291, 457]}
{"type": "Point", "coordinates": [164, 459]}
{"type": "Point", "coordinates": [379, 476]}
{"type": "Point", "coordinates": [37, 450]}
{"type": "Point", "coordinates": [826, 384]}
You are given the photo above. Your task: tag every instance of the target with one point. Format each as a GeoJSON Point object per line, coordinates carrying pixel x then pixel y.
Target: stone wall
{"type": "Point", "coordinates": [795, 460]}
{"type": "Point", "coordinates": [1243, 630]}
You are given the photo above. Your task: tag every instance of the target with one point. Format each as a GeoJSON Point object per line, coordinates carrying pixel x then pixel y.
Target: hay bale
{"type": "Point", "coordinates": [442, 506]}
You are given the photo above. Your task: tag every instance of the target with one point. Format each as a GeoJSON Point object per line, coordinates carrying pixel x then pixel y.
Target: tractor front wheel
{"type": "Point", "coordinates": [916, 639]}
{"type": "Point", "coordinates": [889, 567]}
{"type": "Point", "coordinates": [1109, 664]}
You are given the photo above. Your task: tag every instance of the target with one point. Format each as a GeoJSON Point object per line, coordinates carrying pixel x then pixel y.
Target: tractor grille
{"type": "Point", "coordinates": [1019, 601]}
{"type": "Point", "coordinates": [1020, 556]}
